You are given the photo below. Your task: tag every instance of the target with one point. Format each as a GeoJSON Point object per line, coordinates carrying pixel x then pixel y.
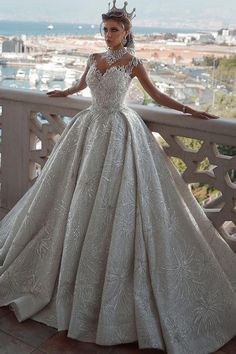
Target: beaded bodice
{"type": "Point", "coordinates": [109, 89]}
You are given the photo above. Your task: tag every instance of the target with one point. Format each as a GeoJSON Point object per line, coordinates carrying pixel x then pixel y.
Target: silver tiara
{"type": "Point", "coordinates": [122, 11]}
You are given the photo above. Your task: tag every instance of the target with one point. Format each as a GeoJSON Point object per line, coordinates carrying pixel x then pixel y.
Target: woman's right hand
{"type": "Point", "coordinates": [201, 114]}
{"type": "Point", "coordinates": [57, 93]}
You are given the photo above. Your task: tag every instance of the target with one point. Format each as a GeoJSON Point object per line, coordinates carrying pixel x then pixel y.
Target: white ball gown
{"type": "Point", "coordinates": [109, 242]}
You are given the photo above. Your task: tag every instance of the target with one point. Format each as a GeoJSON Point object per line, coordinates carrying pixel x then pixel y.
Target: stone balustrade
{"type": "Point", "coordinates": [31, 122]}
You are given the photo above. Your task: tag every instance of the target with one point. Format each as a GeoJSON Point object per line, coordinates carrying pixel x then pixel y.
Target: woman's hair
{"type": "Point", "coordinates": [119, 17]}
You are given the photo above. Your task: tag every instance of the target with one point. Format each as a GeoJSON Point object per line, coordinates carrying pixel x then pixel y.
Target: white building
{"type": "Point", "coordinates": [226, 36]}
{"type": "Point", "coordinates": [197, 37]}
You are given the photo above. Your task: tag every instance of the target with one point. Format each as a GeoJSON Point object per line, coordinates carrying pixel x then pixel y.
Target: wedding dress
{"type": "Point", "coordinates": [109, 242]}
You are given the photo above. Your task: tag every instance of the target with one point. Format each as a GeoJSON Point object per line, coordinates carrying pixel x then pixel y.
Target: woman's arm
{"type": "Point", "coordinates": [164, 100]}
{"type": "Point", "coordinates": [81, 85]}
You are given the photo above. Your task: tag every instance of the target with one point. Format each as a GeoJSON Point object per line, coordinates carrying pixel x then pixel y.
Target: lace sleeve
{"type": "Point", "coordinates": [133, 63]}
{"type": "Point", "coordinates": [90, 60]}
{"type": "Point", "coordinates": [136, 62]}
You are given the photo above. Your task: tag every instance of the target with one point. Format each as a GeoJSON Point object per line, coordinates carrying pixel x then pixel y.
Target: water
{"type": "Point", "coordinates": [16, 28]}
{"type": "Point", "coordinates": [10, 71]}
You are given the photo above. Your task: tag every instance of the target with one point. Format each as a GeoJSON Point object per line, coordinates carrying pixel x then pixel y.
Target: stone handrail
{"type": "Point", "coordinates": [26, 143]}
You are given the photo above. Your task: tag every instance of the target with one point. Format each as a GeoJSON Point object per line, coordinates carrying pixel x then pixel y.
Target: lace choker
{"type": "Point", "coordinates": [111, 56]}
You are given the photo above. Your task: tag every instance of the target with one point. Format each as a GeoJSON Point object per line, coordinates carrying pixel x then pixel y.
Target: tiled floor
{"type": "Point", "coordinates": [35, 338]}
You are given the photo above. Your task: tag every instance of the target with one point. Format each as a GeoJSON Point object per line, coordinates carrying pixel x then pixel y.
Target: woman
{"type": "Point", "coordinates": [117, 32]}
{"type": "Point", "coordinates": [109, 243]}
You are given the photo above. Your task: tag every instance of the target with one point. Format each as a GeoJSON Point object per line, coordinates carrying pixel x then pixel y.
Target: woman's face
{"type": "Point", "coordinates": [114, 32]}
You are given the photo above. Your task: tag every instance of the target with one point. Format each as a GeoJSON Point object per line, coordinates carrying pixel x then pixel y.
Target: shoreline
{"type": "Point", "coordinates": [138, 27]}
{"type": "Point", "coordinates": [150, 49]}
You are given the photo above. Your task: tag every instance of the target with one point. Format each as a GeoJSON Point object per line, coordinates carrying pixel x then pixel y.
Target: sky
{"type": "Point", "coordinates": [152, 12]}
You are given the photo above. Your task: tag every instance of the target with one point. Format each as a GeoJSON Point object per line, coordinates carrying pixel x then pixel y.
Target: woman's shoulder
{"type": "Point", "coordinates": [135, 61]}
{"type": "Point", "coordinates": [96, 55]}
{"type": "Point", "coordinates": [133, 65]}
{"type": "Point", "coordinates": [92, 58]}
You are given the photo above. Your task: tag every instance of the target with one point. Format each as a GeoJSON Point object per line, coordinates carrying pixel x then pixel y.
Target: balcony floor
{"type": "Point", "coordinates": [36, 338]}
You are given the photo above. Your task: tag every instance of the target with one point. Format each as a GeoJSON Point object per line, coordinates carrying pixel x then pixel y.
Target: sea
{"type": "Point", "coordinates": [17, 28]}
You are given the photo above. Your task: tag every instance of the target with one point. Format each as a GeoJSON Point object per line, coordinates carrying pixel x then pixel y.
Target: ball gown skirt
{"type": "Point", "coordinates": [109, 242]}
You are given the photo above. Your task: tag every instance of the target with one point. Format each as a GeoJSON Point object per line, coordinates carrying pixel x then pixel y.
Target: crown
{"type": "Point", "coordinates": [123, 10]}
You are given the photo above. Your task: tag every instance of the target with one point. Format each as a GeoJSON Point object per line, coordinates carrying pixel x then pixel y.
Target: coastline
{"type": "Point", "coordinates": [31, 28]}
{"type": "Point", "coordinates": [146, 47]}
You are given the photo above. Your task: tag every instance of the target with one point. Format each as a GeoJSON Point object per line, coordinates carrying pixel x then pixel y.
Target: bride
{"type": "Point", "coordinates": [109, 243]}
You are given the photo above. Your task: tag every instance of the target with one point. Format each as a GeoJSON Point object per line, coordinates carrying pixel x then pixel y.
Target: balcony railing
{"type": "Point", "coordinates": [31, 122]}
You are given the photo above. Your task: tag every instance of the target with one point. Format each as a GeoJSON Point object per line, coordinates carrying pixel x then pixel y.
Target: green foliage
{"type": "Point", "coordinates": [147, 99]}
{"type": "Point", "coordinates": [227, 150]}
{"type": "Point", "coordinates": [211, 60]}
{"type": "Point", "coordinates": [226, 71]}
{"type": "Point", "coordinates": [194, 145]}
{"type": "Point", "coordinates": [199, 190]}
{"type": "Point", "coordinates": [230, 151]}
{"type": "Point", "coordinates": [203, 191]}
{"type": "Point", "coordinates": [229, 63]}
{"type": "Point", "coordinates": [225, 105]}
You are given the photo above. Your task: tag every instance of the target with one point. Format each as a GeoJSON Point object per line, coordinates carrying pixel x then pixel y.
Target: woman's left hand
{"type": "Point", "coordinates": [201, 114]}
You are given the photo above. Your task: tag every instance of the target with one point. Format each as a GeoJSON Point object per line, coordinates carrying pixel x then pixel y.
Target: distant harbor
{"type": "Point", "coordinates": [40, 78]}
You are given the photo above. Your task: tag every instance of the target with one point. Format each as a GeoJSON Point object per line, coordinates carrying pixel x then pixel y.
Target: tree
{"type": "Point", "coordinates": [226, 71]}
{"type": "Point", "coordinates": [211, 60]}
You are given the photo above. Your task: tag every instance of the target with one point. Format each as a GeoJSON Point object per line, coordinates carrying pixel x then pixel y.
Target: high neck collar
{"type": "Point", "coordinates": [112, 56]}
{"type": "Point", "coordinates": [121, 49]}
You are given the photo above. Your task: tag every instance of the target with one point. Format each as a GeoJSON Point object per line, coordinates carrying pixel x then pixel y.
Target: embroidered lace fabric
{"type": "Point", "coordinates": [109, 242]}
